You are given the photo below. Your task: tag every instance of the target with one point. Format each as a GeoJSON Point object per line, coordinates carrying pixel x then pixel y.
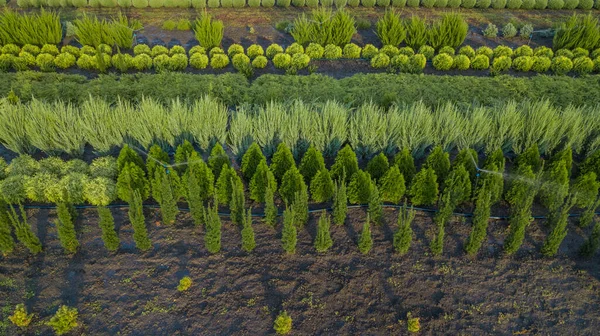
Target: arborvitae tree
{"type": "Point", "coordinates": [212, 236]}
{"type": "Point", "coordinates": [300, 206]}
{"type": "Point", "coordinates": [311, 163]}
{"type": "Point", "coordinates": [531, 157]}
{"type": "Point", "coordinates": [270, 208]}
{"type": "Point", "coordinates": [204, 182]}
{"type": "Point", "coordinates": [496, 158]}
{"type": "Point", "coordinates": [365, 242]}
{"type": "Point", "coordinates": [406, 164]}
{"type": "Point", "coordinates": [375, 209]}
{"type": "Point", "coordinates": [218, 159]}
{"type": "Point", "coordinates": [137, 219]}
{"type": "Point", "coordinates": [346, 164]}
{"type": "Point", "coordinates": [194, 197]}
{"type": "Point", "coordinates": [443, 215]}
{"type": "Point", "coordinates": [237, 202]}
{"type": "Point", "coordinates": [291, 183]}
{"type": "Point", "coordinates": [481, 217]}
{"type": "Point", "coordinates": [66, 229]}
{"type": "Point", "coordinates": [165, 194]}
{"type": "Point", "coordinates": [458, 185]}
{"type": "Point", "coordinates": [591, 164]}
{"type": "Point", "coordinates": [288, 233]}
{"type": "Point", "coordinates": [224, 184]}
{"type": "Point", "coordinates": [554, 189]}
{"type": "Point", "coordinates": [591, 245]}
{"type": "Point", "coordinates": [323, 241]}
{"type": "Point", "coordinates": [587, 216]}
{"type": "Point", "coordinates": [559, 230]}
{"type": "Point", "coordinates": [439, 161]}
{"type": "Point", "coordinates": [182, 156]}
{"type": "Point", "coordinates": [424, 190]}
{"type": "Point", "coordinates": [494, 181]}
{"type": "Point", "coordinates": [520, 196]}
{"type": "Point", "coordinates": [107, 224]}
{"type": "Point", "coordinates": [132, 178]}
{"type": "Point", "coordinates": [282, 161]}
{"type": "Point", "coordinates": [262, 178]}
{"type": "Point", "coordinates": [157, 159]}
{"type": "Point", "coordinates": [565, 155]}
{"type": "Point", "coordinates": [23, 230]}
{"type": "Point", "coordinates": [251, 160]}
{"type": "Point", "coordinates": [7, 243]}
{"type": "Point", "coordinates": [340, 203]}
{"type": "Point", "coordinates": [378, 166]}
{"type": "Point", "coordinates": [403, 237]}
{"type": "Point", "coordinates": [128, 155]}
{"type": "Point", "coordinates": [585, 190]}
{"type": "Point", "coordinates": [359, 189]}
{"type": "Point", "coordinates": [391, 185]}
{"type": "Point", "coordinates": [248, 242]}
{"type": "Point", "coordinates": [468, 158]}
{"type": "Point", "coordinates": [321, 186]}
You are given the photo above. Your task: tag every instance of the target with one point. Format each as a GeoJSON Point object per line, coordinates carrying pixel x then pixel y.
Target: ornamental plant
{"type": "Point", "coordinates": [323, 241]}
{"type": "Point", "coordinates": [321, 186]}
{"type": "Point", "coordinates": [291, 183]}
{"type": "Point", "coordinates": [64, 320]}
{"type": "Point", "coordinates": [359, 189]}
{"type": "Point", "coordinates": [403, 236]}
{"type": "Point", "coordinates": [443, 62]}
{"type": "Point", "coordinates": [283, 324]}
{"type": "Point", "coordinates": [184, 284]}
{"type": "Point", "coordinates": [392, 185]}
{"type": "Point", "coordinates": [424, 189]}
{"type": "Point", "coordinates": [365, 241]}
{"type": "Point", "coordinates": [289, 232]}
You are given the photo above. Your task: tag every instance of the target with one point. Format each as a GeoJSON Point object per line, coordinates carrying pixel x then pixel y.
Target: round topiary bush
{"type": "Point", "coordinates": [159, 50]}
{"type": "Point", "coordinates": [440, 3]}
{"type": "Point", "coordinates": [500, 51]}
{"type": "Point", "coordinates": [399, 3]}
{"type": "Point", "coordinates": [428, 3]}
{"type": "Point", "coordinates": [523, 50]}
{"type": "Point", "coordinates": [351, 3]}
{"type": "Point", "coordinates": [596, 64]}
{"type": "Point", "coordinates": [408, 51]}
{"type": "Point", "coordinates": [197, 50]}
{"type": "Point", "coordinates": [498, 4]}
{"type": "Point", "coordinates": [351, 50]}
{"type": "Point", "coordinates": [380, 61]}
{"type": "Point", "coordinates": [595, 53]}
{"type": "Point", "coordinates": [467, 51]}
{"type": "Point", "coordinates": [332, 52]}
{"type": "Point", "coordinates": [400, 62]}
{"type": "Point", "coordinates": [483, 4]}
{"type": "Point", "coordinates": [49, 49]}
{"type": "Point", "coordinates": [580, 52]}
{"type": "Point", "coordinates": [541, 64]}
{"type": "Point", "coordinates": [389, 50]}
{"type": "Point", "coordinates": [219, 61]}
{"type": "Point", "coordinates": [268, 3]}
{"type": "Point", "coordinates": [178, 62]}
{"type": "Point", "coordinates": [294, 48]}
{"type": "Point", "coordinates": [240, 61]}
{"type": "Point", "coordinates": [514, 4]}
{"type": "Point", "coordinates": [298, 3]}
{"type": "Point", "coordinates": [368, 3]}
{"type": "Point", "coordinates": [480, 62]}
{"type": "Point", "coordinates": [124, 3]}
{"type": "Point", "coordinates": [528, 4]}
{"type": "Point", "coordinates": [139, 3]}
{"type": "Point", "coordinates": [454, 3]}
{"type": "Point", "coordinates": [254, 51]}
{"type": "Point", "coordinates": [468, 3]}
{"type": "Point", "coordinates": [583, 65]}
{"type": "Point", "coordinates": [564, 53]}
{"type": "Point", "coordinates": [141, 62]}
{"type": "Point", "coordinates": [571, 4]}
{"type": "Point", "coordinates": [161, 62]}
{"type": "Point", "coordinates": [380, 3]}
{"type": "Point", "coordinates": [73, 50]}
{"type": "Point", "coordinates": [215, 51]}
{"type": "Point", "coordinates": [543, 51]}
{"type": "Point", "coordinates": [85, 62]}
{"type": "Point", "coordinates": [176, 50]}
{"type": "Point", "coordinates": [273, 50]}
{"type": "Point", "coordinates": [561, 65]}
{"type": "Point", "coordinates": [29, 48]}
{"type": "Point", "coordinates": [315, 3]}
{"type": "Point", "coordinates": [282, 61]}
{"type": "Point", "coordinates": [122, 62]}
{"type": "Point", "coordinates": [26, 58]}
{"type": "Point", "coordinates": [239, 3]}
{"type": "Point", "coordinates": [198, 61]}
{"type": "Point", "coordinates": [260, 62]}
{"type": "Point", "coordinates": [65, 60]}
{"type": "Point", "coordinates": [487, 51]}
{"type": "Point", "coordinates": [314, 51]}
{"type": "Point", "coordinates": [586, 4]}
{"type": "Point", "coordinates": [461, 62]}
{"type": "Point", "coordinates": [427, 51]}
{"type": "Point", "coordinates": [417, 63]}
{"type": "Point", "coordinates": [300, 61]}
{"type": "Point", "coordinates": [522, 63]}
{"type": "Point", "coordinates": [142, 49]}
{"type": "Point", "coordinates": [369, 51]}
{"type": "Point", "coordinates": [200, 3]}
{"type": "Point", "coordinates": [540, 4]}
{"type": "Point", "coordinates": [447, 50]}
{"type": "Point", "coordinates": [556, 4]}
{"type": "Point", "coordinates": [108, 3]}
{"type": "Point", "coordinates": [443, 62]}
{"type": "Point", "coordinates": [45, 62]}
{"type": "Point", "coordinates": [502, 63]}
{"type": "Point", "coordinates": [212, 3]}
{"type": "Point", "coordinates": [413, 3]}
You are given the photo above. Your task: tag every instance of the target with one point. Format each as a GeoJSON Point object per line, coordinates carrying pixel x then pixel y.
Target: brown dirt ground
{"type": "Point", "coordinates": [340, 292]}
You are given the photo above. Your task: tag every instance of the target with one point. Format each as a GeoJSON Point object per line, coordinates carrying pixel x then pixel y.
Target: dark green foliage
{"type": "Point", "coordinates": [481, 216]}
{"type": "Point", "coordinates": [291, 183]}
{"type": "Point", "coordinates": [365, 241]}
{"type": "Point", "coordinates": [289, 233]}
{"type": "Point", "coordinates": [390, 28]}
{"type": "Point", "coordinates": [323, 241]}
{"type": "Point", "coordinates": [33, 28]}
{"type": "Point", "coordinates": [416, 32]}
{"type": "Point", "coordinates": [107, 224]}
{"type": "Point", "coordinates": [424, 190]}
{"type": "Point", "coordinates": [520, 197]}
{"type": "Point", "coordinates": [300, 206]}
{"type": "Point", "coordinates": [359, 189]}
{"type": "Point", "coordinates": [451, 31]}
{"type": "Point", "coordinates": [321, 186]}
{"type": "Point", "coordinates": [565, 155]}
{"type": "Point", "coordinates": [346, 164]}
{"type": "Point", "coordinates": [7, 243]}
{"type": "Point", "coordinates": [375, 209]}
{"type": "Point", "coordinates": [23, 230]}
{"type": "Point", "coordinates": [66, 228]}
{"type": "Point", "coordinates": [282, 161]}
{"type": "Point", "coordinates": [468, 158]}
{"type": "Point", "coordinates": [218, 159]}
{"type": "Point", "coordinates": [324, 27]}
{"type": "Point", "coordinates": [237, 202]}
{"type": "Point", "coordinates": [439, 161]}
{"type": "Point", "coordinates": [392, 186]}
{"type": "Point", "coordinates": [248, 242]}
{"type": "Point", "coordinates": [270, 208]}
{"type": "Point", "coordinates": [554, 188]}
{"type": "Point", "coordinates": [195, 196]}
{"type": "Point", "coordinates": [165, 194]}
{"type": "Point", "coordinates": [340, 203]}
{"type": "Point", "coordinates": [263, 177]}
{"type": "Point", "coordinates": [137, 219]}
{"type": "Point", "coordinates": [559, 230]}
{"type": "Point", "coordinates": [496, 158]}
{"type": "Point", "coordinates": [251, 160]}
{"type": "Point", "coordinates": [458, 185]}
{"type": "Point", "coordinates": [406, 164]}
{"type": "Point", "coordinates": [208, 32]}
{"type": "Point", "coordinates": [591, 164]}
{"type": "Point", "coordinates": [225, 184]}
{"type": "Point", "coordinates": [182, 155]}
{"type": "Point", "coordinates": [126, 155]}
{"type": "Point", "coordinates": [403, 236]}
{"type": "Point", "coordinates": [378, 166]}
{"type": "Point", "coordinates": [579, 31]}
{"type": "Point", "coordinates": [201, 186]}
{"type": "Point", "coordinates": [212, 236]}
{"type": "Point", "coordinates": [587, 216]}
{"type": "Point", "coordinates": [531, 157]}
{"type": "Point", "coordinates": [591, 245]}
{"type": "Point", "coordinates": [131, 178]}
{"type": "Point", "coordinates": [311, 163]}
{"type": "Point", "coordinates": [437, 242]}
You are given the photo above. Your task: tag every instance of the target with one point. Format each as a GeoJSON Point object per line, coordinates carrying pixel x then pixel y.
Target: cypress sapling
{"type": "Point", "coordinates": [481, 217]}
{"type": "Point", "coordinates": [359, 189]}
{"type": "Point", "coordinates": [205, 180]}
{"type": "Point", "coordinates": [559, 230]}
{"type": "Point", "coordinates": [365, 242]}
{"type": "Point", "coordinates": [282, 161]}
{"type": "Point", "coordinates": [218, 159]}
{"type": "Point", "coordinates": [439, 161]}
{"type": "Point", "coordinates": [107, 224]}
{"type": "Point", "coordinates": [212, 236]}
{"type": "Point", "coordinates": [300, 206]}
{"type": "Point", "coordinates": [248, 242]}
{"type": "Point", "coordinates": [23, 230]}
{"type": "Point", "coordinates": [311, 163]}
{"type": "Point", "coordinates": [375, 209]}
{"type": "Point", "coordinates": [251, 160]}
{"type": "Point", "coordinates": [392, 186]}
{"type": "Point", "coordinates": [340, 203]}
{"type": "Point", "coordinates": [236, 205]}
{"type": "Point", "coordinates": [403, 237]}
{"type": "Point", "coordinates": [424, 189]}
{"type": "Point", "coordinates": [323, 239]}
{"type": "Point", "coordinates": [262, 178]}
{"type": "Point", "coordinates": [345, 165]}
{"type": "Point", "coordinates": [591, 245]}
{"type": "Point", "coordinates": [66, 228]}
{"type": "Point", "coordinates": [225, 184]}
{"type": "Point", "coordinates": [7, 243]}
{"type": "Point", "coordinates": [406, 164]}
{"type": "Point", "coordinates": [289, 232]}
{"type": "Point", "coordinates": [270, 208]}
{"type": "Point", "coordinates": [164, 193]}
{"type": "Point", "coordinates": [291, 183]}
{"type": "Point", "coordinates": [137, 219]}
{"type": "Point", "coordinates": [321, 186]}
{"type": "Point", "coordinates": [378, 166]}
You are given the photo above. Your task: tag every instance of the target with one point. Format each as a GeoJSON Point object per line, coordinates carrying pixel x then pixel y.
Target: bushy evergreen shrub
{"type": "Point", "coordinates": [332, 51]}
{"type": "Point", "coordinates": [359, 189]}
{"type": "Point", "coordinates": [561, 65]}
{"type": "Point", "coordinates": [424, 189]}
{"type": "Point", "coordinates": [365, 242]}
{"type": "Point", "coordinates": [369, 51]}
{"type": "Point", "coordinates": [442, 62]}
{"type": "Point", "coordinates": [321, 186]}
{"type": "Point", "coordinates": [351, 50]}
{"type": "Point", "coordinates": [291, 183]}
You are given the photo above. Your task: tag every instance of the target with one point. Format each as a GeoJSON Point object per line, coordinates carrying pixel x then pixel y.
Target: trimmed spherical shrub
{"type": "Point", "coordinates": [161, 62]}
{"type": "Point", "coordinates": [273, 50]}
{"type": "Point", "coordinates": [50, 49]}
{"type": "Point", "coordinates": [73, 50]}
{"type": "Point", "coordinates": [26, 58]}
{"type": "Point", "coordinates": [561, 65]}
{"type": "Point", "coordinates": [159, 50]}
{"type": "Point", "coordinates": [314, 51]}
{"type": "Point", "coordinates": [427, 51]}
{"type": "Point", "coordinates": [467, 51]}
{"type": "Point", "coordinates": [176, 50]}
{"type": "Point", "coordinates": [523, 50]}
{"type": "Point", "coordinates": [332, 51]}
{"type": "Point", "coordinates": [447, 50]}
{"type": "Point", "coordinates": [468, 3]}
{"type": "Point", "coordinates": [595, 53]}
{"type": "Point", "coordinates": [268, 3]}
{"type": "Point", "coordinates": [85, 62]}
{"type": "Point", "coordinates": [564, 53]}
{"type": "Point", "coordinates": [282, 61]}
{"type": "Point", "coordinates": [65, 60]}
{"type": "Point", "coordinates": [142, 49]}
{"type": "Point", "coordinates": [254, 3]}
{"type": "Point", "coordinates": [340, 3]}
{"type": "Point", "coordinates": [142, 62]}
{"type": "Point", "coordinates": [226, 3]}
{"type": "Point", "coordinates": [122, 62]}
{"type": "Point", "coordinates": [597, 64]}
{"type": "Point", "coordinates": [428, 3]}
{"type": "Point", "coordinates": [514, 4]}
{"type": "Point", "coordinates": [156, 3]}
{"type": "Point", "coordinates": [139, 3]}
{"type": "Point", "coordinates": [541, 64]}
{"type": "Point", "coordinates": [442, 62]}
{"type": "Point", "coordinates": [498, 4]}
{"type": "Point", "coordinates": [380, 3]}
{"type": "Point", "coordinates": [260, 62]}
{"type": "Point", "coordinates": [108, 3]}
{"type": "Point", "coordinates": [239, 3]}
{"type": "Point", "coordinates": [483, 4]}
{"type": "Point", "coordinates": [586, 4]}
{"type": "Point", "coordinates": [408, 51]}
{"type": "Point", "coordinates": [454, 3]}
{"type": "Point", "coordinates": [369, 51]}
{"type": "Point", "coordinates": [487, 51]}
{"type": "Point", "coordinates": [413, 3]}
{"type": "Point", "coordinates": [240, 61]}
{"type": "Point", "coordinates": [461, 62]}
{"type": "Point", "coordinates": [368, 3]}
{"type": "Point", "coordinates": [215, 51]}
{"type": "Point", "coordinates": [571, 4]}
{"type": "Point", "coordinates": [528, 4]}
{"type": "Point", "coordinates": [298, 3]}
{"type": "Point", "coordinates": [219, 61]}
{"type": "Point", "coordinates": [235, 49]}
{"type": "Point", "coordinates": [254, 51]}
{"type": "Point", "coordinates": [29, 48]}
{"type": "Point", "coordinates": [178, 62]}
{"type": "Point", "coordinates": [583, 65]}
{"type": "Point", "coordinates": [197, 50]}
{"type": "Point", "coordinates": [124, 3]}
{"type": "Point", "coordinates": [522, 63]}
{"type": "Point", "coordinates": [417, 63]}
{"type": "Point", "coordinates": [212, 3]}
{"type": "Point", "coordinates": [315, 3]}
{"type": "Point", "coordinates": [500, 51]}
{"type": "Point", "coordinates": [502, 63]}
{"type": "Point", "coordinates": [283, 3]}
{"type": "Point", "coordinates": [480, 62]}
{"type": "Point", "coordinates": [389, 50]}
{"type": "Point", "coordinates": [580, 52]}
{"type": "Point", "coordinates": [380, 61]}
{"type": "Point", "coordinates": [106, 49]}
{"type": "Point", "coordinates": [45, 62]}
{"type": "Point", "coordinates": [556, 4]}
{"type": "Point", "coordinates": [440, 3]}
{"type": "Point", "coordinates": [540, 4]}
{"type": "Point", "coordinates": [198, 61]}
{"type": "Point", "coordinates": [399, 3]}
{"type": "Point", "coordinates": [400, 62]}
{"type": "Point", "coordinates": [294, 48]}
{"type": "Point", "coordinates": [543, 51]}
{"type": "Point", "coordinates": [351, 50]}
{"type": "Point", "coordinates": [300, 61]}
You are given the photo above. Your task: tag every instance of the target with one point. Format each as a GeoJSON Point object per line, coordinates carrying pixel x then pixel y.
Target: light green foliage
{"type": "Point", "coordinates": [324, 27]}
{"type": "Point", "coordinates": [332, 51]}
{"type": "Point", "coordinates": [406, 164]}
{"type": "Point", "coordinates": [451, 30]}
{"type": "Point", "coordinates": [447, 50]}
{"type": "Point", "coordinates": [522, 63]}
{"type": "Point", "coordinates": [369, 51]}
{"type": "Point", "coordinates": [107, 224]}
{"type": "Point", "coordinates": [212, 236]}
{"type": "Point", "coordinates": [311, 163]}
{"type": "Point", "coordinates": [66, 228]}
{"type": "Point", "coordinates": [218, 159]}
{"type": "Point", "coordinates": [237, 201]}
{"type": "Point", "coordinates": [352, 51]}
{"type": "Point", "coordinates": [291, 182]}
{"type": "Point", "coordinates": [20, 318]}
{"type": "Point", "coordinates": [403, 236]}
{"type": "Point", "coordinates": [126, 155]}
{"type": "Point", "coordinates": [443, 62]}
{"type": "Point", "coordinates": [509, 30]}
{"type": "Point", "coordinates": [91, 31]}
{"type": "Point", "coordinates": [416, 32]}
{"type": "Point", "coordinates": [561, 65]}
{"type": "Point", "coordinates": [531, 157]}
{"type": "Point", "coordinates": [380, 61]}
{"type": "Point", "coordinates": [270, 208]}
{"type": "Point", "coordinates": [323, 241]}
{"type": "Point", "coordinates": [345, 165]}
{"type": "Point", "coordinates": [209, 32]}
{"type": "Point", "coordinates": [199, 61]}
{"type": "Point", "coordinates": [283, 324]}
{"type": "Point", "coordinates": [164, 191]}
{"type": "Point", "coordinates": [481, 216]}
{"type": "Point", "coordinates": [340, 203]}
{"type": "Point", "coordinates": [282, 161]}
{"type": "Point", "coordinates": [64, 320]}
{"type": "Point", "coordinates": [254, 51]}
{"type": "Point", "coordinates": [359, 189]}
{"type": "Point", "coordinates": [554, 188]}
{"type": "Point", "coordinates": [461, 62]}
{"type": "Point", "coordinates": [289, 232]}
{"type": "Point", "coordinates": [248, 242]}
{"type": "Point", "coordinates": [184, 284]}
{"type": "Point", "coordinates": [424, 189]}
{"type": "Point", "coordinates": [390, 28]}
{"type": "Point", "coordinates": [439, 161]}
{"type": "Point", "coordinates": [282, 61]}
{"type": "Point", "coordinates": [137, 219]}
{"type": "Point", "coordinates": [273, 50]}
{"type": "Point", "coordinates": [375, 209]}
{"type": "Point", "coordinates": [579, 31]}
{"type": "Point", "coordinates": [251, 160]}
{"type": "Point", "coordinates": [365, 241]}
{"type": "Point", "coordinates": [392, 185]}
{"type": "Point", "coordinates": [490, 31]}
{"type": "Point", "coordinates": [520, 196]}
{"type": "Point", "coordinates": [132, 179]}
{"type": "Point", "coordinates": [314, 51]}
{"type": "Point", "coordinates": [31, 28]}
{"type": "Point", "coordinates": [321, 186]}
{"type": "Point", "coordinates": [262, 178]}
{"type": "Point", "coordinates": [583, 65]}
{"type": "Point", "coordinates": [224, 187]}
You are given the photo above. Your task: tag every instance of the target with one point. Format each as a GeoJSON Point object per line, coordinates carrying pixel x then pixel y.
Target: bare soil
{"type": "Point", "coordinates": [340, 292]}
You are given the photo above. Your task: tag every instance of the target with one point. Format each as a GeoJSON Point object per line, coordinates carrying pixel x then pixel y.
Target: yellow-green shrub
{"type": "Point", "coordinates": [314, 51]}
{"type": "Point", "coordinates": [198, 61]}
{"type": "Point", "coordinates": [561, 65]}
{"type": "Point", "coordinates": [273, 50]}
{"type": "Point", "coordinates": [259, 62]}
{"type": "Point", "coordinates": [331, 51]}
{"type": "Point", "coordinates": [351, 50]}
{"type": "Point", "coordinates": [380, 61]}
{"type": "Point", "coordinates": [369, 51]}
{"type": "Point", "coordinates": [142, 62]}
{"type": "Point", "coordinates": [254, 51]}
{"type": "Point", "coordinates": [442, 62]}
{"type": "Point", "coordinates": [235, 49]}
{"type": "Point", "coordinates": [219, 61]}
{"type": "Point", "coordinates": [65, 60]}
{"type": "Point", "coordinates": [282, 61]}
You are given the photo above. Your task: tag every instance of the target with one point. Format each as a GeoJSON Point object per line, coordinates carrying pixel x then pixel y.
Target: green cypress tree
{"type": "Point", "coordinates": [340, 203]}
{"type": "Point", "coordinates": [481, 217]}
{"type": "Point", "coordinates": [587, 216]}
{"type": "Point", "coordinates": [585, 190]}
{"type": "Point", "coordinates": [212, 236]}
{"type": "Point", "coordinates": [346, 164]}
{"type": "Point", "coordinates": [300, 206]}
{"type": "Point", "coordinates": [312, 162]}
{"type": "Point", "coordinates": [204, 179]}
{"type": "Point", "coordinates": [194, 197]}
{"type": "Point", "coordinates": [262, 178]}
{"type": "Point", "coordinates": [554, 188]}
{"type": "Point", "coordinates": [218, 159]}
{"type": "Point", "coordinates": [66, 229]}
{"type": "Point", "coordinates": [128, 155]}
{"type": "Point", "coordinates": [270, 208]}
{"type": "Point", "coordinates": [439, 161]}
{"type": "Point", "coordinates": [250, 161]}
{"type": "Point", "coordinates": [424, 189]}
{"type": "Point", "coordinates": [157, 159]}
{"type": "Point", "coordinates": [132, 178]}
{"type": "Point", "coordinates": [531, 157]}
{"type": "Point", "coordinates": [289, 233]}
{"type": "Point", "coordinates": [378, 166]}
{"type": "Point", "coordinates": [565, 155]}
{"type": "Point", "coordinates": [23, 230]}
{"type": "Point", "coordinates": [359, 189]}
{"type": "Point", "coordinates": [237, 202]}
{"type": "Point", "coordinates": [365, 242]}
{"type": "Point", "coordinates": [224, 184]}
{"type": "Point", "coordinates": [282, 161]}
{"type": "Point", "coordinates": [137, 219]}
{"type": "Point", "coordinates": [559, 230]}
{"type": "Point", "coordinates": [375, 209]}
{"type": "Point", "coordinates": [164, 194]}
{"type": "Point", "coordinates": [392, 186]}
{"type": "Point", "coordinates": [323, 241]}
{"type": "Point", "coordinates": [591, 164]}
{"type": "Point", "coordinates": [321, 186]}
{"type": "Point", "coordinates": [291, 183]}
{"type": "Point", "coordinates": [107, 224]}
{"type": "Point", "coordinates": [591, 245]}
{"type": "Point", "coordinates": [182, 156]}
{"type": "Point", "coordinates": [403, 237]}
{"type": "Point", "coordinates": [406, 164]}
{"type": "Point", "coordinates": [443, 215]}
{"type": "Point", "coordinates": [248, 242]}
{"type": "Point", "coordinates": [494, 179]}
{"type": "Point", "coordinates": [520, 197]}
{"type": "Point", "coordinates": [467, 157]}
{"type": "Point", "coordinates": [496, 158]}
{"type": "Point", "coordinates": [458, 185]}
{"type": "Point", "coordinates": [7, 244]}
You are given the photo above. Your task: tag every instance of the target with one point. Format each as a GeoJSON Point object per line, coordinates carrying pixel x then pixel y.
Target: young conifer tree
{"type": "Point", "coordinates": [365, 242]}
{"type": "Point", "coordinates": [585, 190]}
{"type": "Point", "coordinates": [321, 186]}
{"type": "Point", "coordinates": [359, 189]}
{"type": "Point", "coordinates": [218, 160]}
{"type": "Point", "coordinates": [270, 208]}
{"type": "Point", "coordinates": [481, 216]}
{"type": "Point", "coordinates": [312, 162]}
{"type": "Point", "coordinates": [375, 209]}
{"type": "Point", "coordinates": [289, 233]}
{"type": "Point", "coordinates": [300, 206]}
{"type": "Point", "coordinates": [403, 237]}
{"type": "Point", "coordinates": [323, 241]}
{"type": "Point", "coordinates": [282, 162]}
{"type": "Point", "coordinates": [248, 242]}
{"type": "Point", "coordinates": [132, 178]}
{"type": "Point", "coordinates": [559, 229]}
{"type": "Point", "coordinates": [107, 224]}
{"type": "Point", "coordinates": [531, 157]}
{"type": "Point", "coordinates": [591, 245]}
{"type": "Point", "coordinates": [23, 231]}
{"type": "Point", "coordinates": [205, 180]}
{"type": "Point", "coordinates": [378, 166]}
{"type": "Point", "coordinates": [157, 159]}
{"type": "Point", "coordinates": [225, 184]}
{"type": "Point", "coordinates": [212, 236]}
{"type": "Point", "coordinates": [439, 161]}
{"type": "Point", "coordinates": [194, 198]}
{"type": "Point", "coordinates": [237, 203]}
{"type": "Point", "coordinates": [291, 183]}
{"type": "Point", "coordinates": [392, 186]}
{"type": "Point", "coordinates": [259, 182]}
{"type": "Point", "coordinates": [165, 194]}
{"type": "Point", "coordinates": [520, 197]}
{"type": "Point", "coordinates": [251, 160]}
{"type": "Point", "coordinates": [406, 164]}
{"type": "Point", "coordinates": [554, 189]}
{"type": "Point", "coordinates": [345, 165]}
{"type": "Point", "coordinates": [128, 155]}
{"type": "Point", "coordinates": [424, 189]}
{"type": "Point", "coordinates": [7, 243]}
{"type": "Point", "coordinates": [137, 219]}
{"type": "Point", "coordinates": [66, 229]}
{"type": "Point", "coordinates": [340, 203]}
{"type": "Point", "coordinates": [182, 155]}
